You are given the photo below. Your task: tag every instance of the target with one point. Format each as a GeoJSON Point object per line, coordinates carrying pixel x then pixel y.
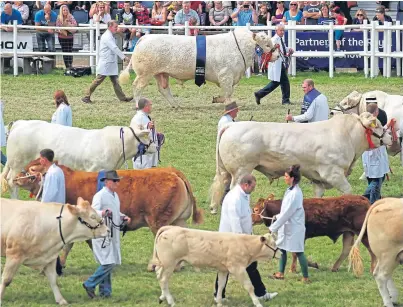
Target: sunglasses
{"type": "Point", "coordinates": [294, 4]}
{"type": "Point", "coordinates": [115, 180]}
{"type": "Point", "coordinates": [360, 15]}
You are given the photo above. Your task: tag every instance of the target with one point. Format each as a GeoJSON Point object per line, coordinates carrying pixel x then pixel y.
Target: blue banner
{"type": "Point", "coordinates": [351, 41]}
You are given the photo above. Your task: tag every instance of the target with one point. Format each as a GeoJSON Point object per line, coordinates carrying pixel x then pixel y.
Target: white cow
{"type": "Point", "coordinates": [356, 103]}
{"type": "Point", "coordinates": [80, 149]}
{"type": "Point", "coordinates": [227, 252]}
{"type": "Point", "coordinates": [33, 234]}
{"type": "Point", "coordinates": [162, 56]}
{"type": "Point", "coordinates": [384, 226]}
{"type": "Point", "coordinates": [325, 150]}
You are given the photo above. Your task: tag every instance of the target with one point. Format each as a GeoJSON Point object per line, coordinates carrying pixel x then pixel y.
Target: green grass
{"type": "Point", "coordinates": [190, 146]}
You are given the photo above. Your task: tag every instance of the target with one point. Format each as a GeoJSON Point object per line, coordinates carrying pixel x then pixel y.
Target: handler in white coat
{"type": "Point", "coordinates": [63, 115]}
{"type": "Point", "coordinates": [106, 250]}
{"type": "Point", "coordinates": [236, 217]}
{"type": "Point", "coordinates": [142, 120]}
{"type": "Point", "coordinates": [278, 70]}
{"type": "Point", "coordinates": [290, 224]}
{"type": "Point", "coordinates": [108, 64]}
{"type": "Point", "coordinates": [230, 113]}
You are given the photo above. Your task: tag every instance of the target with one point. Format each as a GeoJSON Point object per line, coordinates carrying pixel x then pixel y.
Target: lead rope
{"type": "Point", "coordinates": [40, 189]}
{"type": "Point", "coordinates": [122, 137]}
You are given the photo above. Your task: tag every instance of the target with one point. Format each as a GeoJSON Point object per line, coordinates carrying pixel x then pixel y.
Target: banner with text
{"type": "Point", "coordinates": [24, 41]}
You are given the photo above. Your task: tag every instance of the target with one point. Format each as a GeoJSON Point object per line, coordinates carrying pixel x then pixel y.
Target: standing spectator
{"type": "Point", "coordinates": [3, 137]}
{"type": "Point", "coordinates": [158, 14]}
{"type": "Point", "coordinates": [325, 18]}
{"type": "Point", "coordinates": [345, 9]}
{"type": "Point", "coordinates": [107, 204]}
{"type": "Point", "coordinates": [376, 164]}
{"type": "Point", "coordinates": [23, 9]}
{"type": "Point", "coordinates": [108, 64]}
{"type": "Point", "coordinates": [8, 16]}
{"type": "Point", "coordinates": [236, 217]}
{"type": "Point", "coordinates": [314, 107]}
{"type": "Point", "coordinates": [63, 115]}
{"type": "Point", "coordinates": [360, 16]}
{"type": "Point", "coordinates": [100, 13]}
{"type": "Point", "coordinates": [381, 17]}
{"type": "Point", "coordinates": [312, 13]}
{"type": "Point", "coordinates": [173, 10]}
{"type": "Point", "coordinates": [59, 4]}
{"type": "Point", "coordinates": [293, 14]}
{"type": "Point", "coordinates": [278, 70]}
{"type": "Point", "coordinates": [385, 4]}
{"type": "Point", "coordinates": [279, 13]}
{"type": "Point", "coordinates": [45, 17]}
{"type": "Point", "coordinates": [230, 113]}
{"type": "Point", "coordinates": [244, 13]}
{"type": "Point", "coordinates": [290, 224]}
{"type": "Point", "coordinates": [399, 14]}
{"type": "Point", "coordinates": [340, 21]}
{"type": "Point", "coordinates": [218, 15]}
{"type": "Point", "coordinates": [127, 17]}
{"type": "Point", "coordinates": [66, 37]}
{"type": "Point", "coordinates": [264, 15]}
{"type": "Point", "coordinates": [143, 120]}
{"type": "Point", "coordinates": [143, 18]}
{"type": "Point", "coordinates": [185, 14]}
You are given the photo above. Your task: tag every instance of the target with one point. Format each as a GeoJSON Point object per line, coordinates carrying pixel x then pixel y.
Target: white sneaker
{"type": "Point", "coordinates": [125, 44]}
{"type": "Point", "coordinates": [130, 45]}
{"type": "Point", "coordinates": [268, 296]}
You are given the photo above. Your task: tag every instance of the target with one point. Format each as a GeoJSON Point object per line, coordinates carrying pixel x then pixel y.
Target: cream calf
{"type": "Point", "coordinates": [226, 252]}
{"type": "Point", "coordinates": [386, 242]}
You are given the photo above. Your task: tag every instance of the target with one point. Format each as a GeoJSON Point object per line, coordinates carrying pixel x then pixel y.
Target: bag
{"type": "Point", "coordinates": [351, 4]}
{"type": "Point", "coordinates": [78, 71]}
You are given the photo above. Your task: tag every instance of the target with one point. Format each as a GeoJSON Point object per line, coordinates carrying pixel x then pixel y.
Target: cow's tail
{"type": "Point", "coordinates": [355, 259]}
{"type": "Point", "coordinates": [124, 76]}
{"type": "Point", "coordinates": [4, 183]}
{"type": "Point", "coordinates": [156, 261]}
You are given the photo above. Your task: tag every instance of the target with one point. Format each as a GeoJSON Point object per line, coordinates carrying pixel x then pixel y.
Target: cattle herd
{"type": "Point", "coordinates": [162, 198]}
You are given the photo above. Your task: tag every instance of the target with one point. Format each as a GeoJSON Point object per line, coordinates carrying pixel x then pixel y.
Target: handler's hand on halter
{"type": "Point", "coordinates": [290, 51]}
{"type": "Point", "coordinates": [288, 117]}
{"type": "Point", "coordinates": [106, 213]}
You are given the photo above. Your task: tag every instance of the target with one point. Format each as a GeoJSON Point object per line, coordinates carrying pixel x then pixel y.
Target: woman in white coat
{"type": "Point", "coordinates": [63, 115]}
{"type": "Point", "coordinates": [290, 224]}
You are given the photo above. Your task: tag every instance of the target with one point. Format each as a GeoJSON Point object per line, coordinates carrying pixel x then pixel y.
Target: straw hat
{"type": "Point", "coordinates": [230, 107]}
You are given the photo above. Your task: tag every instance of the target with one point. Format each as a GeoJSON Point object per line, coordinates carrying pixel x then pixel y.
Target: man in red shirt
{"type": "Point", "coordinates": [143, 18]}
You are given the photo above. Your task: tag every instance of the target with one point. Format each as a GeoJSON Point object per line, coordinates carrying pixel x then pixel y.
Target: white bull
{"type": "Point", "coordinates": [356, 103]}
{"type": "Point", "coordinates": [326, 151]}
{"type": "Point", "coordinates": [80, 149]}
{"type": "Point", "coordinates": [31, 235]}
{"type": "Point", "coordinates": [162, 56]}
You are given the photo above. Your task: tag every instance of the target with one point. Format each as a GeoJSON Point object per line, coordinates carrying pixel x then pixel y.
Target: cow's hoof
{"type": "Point", "coordinates": [314, 265]}
{"type": "Point", "coordinates": [335, 269]}
{"type": "Point", "coordinates": [151, 268]}
{"type": "Point", "coordinates": [63, 302]}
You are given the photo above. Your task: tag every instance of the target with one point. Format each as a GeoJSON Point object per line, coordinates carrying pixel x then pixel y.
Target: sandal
{"type": "Point", "coordinates": [277, 276]}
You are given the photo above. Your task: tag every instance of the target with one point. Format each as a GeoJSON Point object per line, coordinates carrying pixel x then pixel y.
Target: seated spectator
{"type": "Point", "coordinates": [193, 22]}
{"type": "Point", "coordinates": [325, 18]}
{"type": "Point", "coordinates": [173, 9]}
{"type": "Point", "coordinates": [264, 15]}
{"type": "Point", "coordinates": [312, 13]}
{"type": "Point", "coordinates": [100, 13]}
{"type": "Point", "coordinates": [185, 14]}
{"type": "Point", "coordinates": [381, 17]}
{"type": "Point", "coordinates": [340, 21]}
{"type": "Point", "coordinates": [82, 5]}
{"type": "Point", "coordinates": [66, 37]}
{"type": "Point", "coordinates": [143, 18]}
{"type": "Point", "coordinates": [63, 115]}
{"type": "Point", "coordinates": [23, 9]}
{"type": "Point", "coordinates": [58, 4]}
{"type": "Point", "coordinates": [218, 15]}
{"type": "Point", "coordinates": [279, 14]}
{"type": "Point", "coordinates": [127, 17]}
{"type": "Point", "coordinates": [8, 16]}
{"type": "Point", "coordinates": [293, 14]}
{"type": "Point", "coordinates": [45, 17]}
{"type": "Point", "coordinates": [244, 13]}
{"type": "Point", "coordinates": [158, 14]}
{"type": "Point", "coordinates": [360, 16]}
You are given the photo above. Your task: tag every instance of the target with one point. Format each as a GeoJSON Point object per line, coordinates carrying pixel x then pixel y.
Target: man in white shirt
{"type": "Point", "coordinates": [230, 113]}
{"type": "Point", "coordinates": [108, 64]}
{"type": "Point", "coordinates": [314, 107]}
{"type": "Point", "coordinates": [376, 164]}
{"type": "Point", "coordinates": [107, 250]}
{"type": "Point", "coordinates": [236, 217]}
{"type": "Point", "coordinates": [142, 120]}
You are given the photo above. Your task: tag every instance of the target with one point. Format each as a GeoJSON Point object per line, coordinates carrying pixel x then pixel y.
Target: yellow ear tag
{"type": "Point", "coordinates": [262, 205]}
{"type": "Point", "coordinates": [373, 125]}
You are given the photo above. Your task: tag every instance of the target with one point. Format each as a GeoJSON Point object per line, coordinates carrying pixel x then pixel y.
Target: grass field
{"type": "Point", "coordinates": [190, 133]}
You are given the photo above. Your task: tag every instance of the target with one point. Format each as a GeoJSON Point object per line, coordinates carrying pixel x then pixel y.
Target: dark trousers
{"type": "Point", "coordinates": [67, 46]}
{"type": "Point", "coordinates": [254, 277]}
{"type": "Point", "coordinates": [284, 83]}
{"type": "Point", "coordinates": [44, 38]}
{"type": "Point", "coordinates": [3, 158]}
{"type": "Point", "coordinates": [373, 191]}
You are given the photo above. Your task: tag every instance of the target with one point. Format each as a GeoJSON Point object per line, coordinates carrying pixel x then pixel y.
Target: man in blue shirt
{"type": "Point", "coordinates": [45, 17]}
{"type": "Point", "coordinates": [8, 16]}
{"type": "Point", "coordinates": [244, 14]}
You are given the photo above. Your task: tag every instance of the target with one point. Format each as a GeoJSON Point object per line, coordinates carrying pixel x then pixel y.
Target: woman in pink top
{"type": "Point", "coordinates": [279, 14]}
{"type": "Point", "coordinates": [65, 19]}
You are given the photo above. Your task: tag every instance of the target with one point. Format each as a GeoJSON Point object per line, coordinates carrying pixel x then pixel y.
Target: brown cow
{"type": "Point", "coordinates": [330, 217]}
{"type": "Point", "coordinates": [154, 197]}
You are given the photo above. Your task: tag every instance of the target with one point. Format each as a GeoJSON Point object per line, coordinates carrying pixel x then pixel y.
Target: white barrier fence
{"type": "Point", "coordinates": [371, 54]}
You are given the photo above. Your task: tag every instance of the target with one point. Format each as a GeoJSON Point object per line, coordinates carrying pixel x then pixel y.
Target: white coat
{"type": "Point", "coordinates": [110, 254]}
{"type": "Point", "coordinates": [63, 115]}
{"type": "Point", "coordinates": [2, 128]}
{"type": "Point", "coordinates": [236, 215]}
{"type": "Point", "coordinates": [375, 162]}
{"type": "Point", "coordinates": [317, 111]}
{"type": "Point", "coordinates": [290, 223]}
{"type": "Point", "coordinates": [54, 188]}
{"type": "Point", "coordinates": [275, 67]}
{"type": "Point", "coordinates": [141, 120]}
{"type": "Point", "coordinates": [108, 53]}
{"type": "Point", "coordinates": [224, 120]}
